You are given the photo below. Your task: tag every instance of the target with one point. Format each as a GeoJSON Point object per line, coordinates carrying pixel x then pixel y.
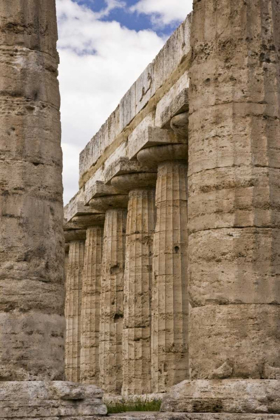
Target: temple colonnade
{"type": "Point", "coordinates": [126, 300]}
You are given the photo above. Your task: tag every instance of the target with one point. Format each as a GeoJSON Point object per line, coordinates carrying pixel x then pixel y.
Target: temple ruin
{"type": "Point", "coordinates": [172, 243]}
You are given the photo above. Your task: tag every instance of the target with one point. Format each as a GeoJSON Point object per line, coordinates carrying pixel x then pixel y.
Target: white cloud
{"type": "Point", "coordinates": [164, 12]}
{"type": "Point", "coordinates": [99, 62]}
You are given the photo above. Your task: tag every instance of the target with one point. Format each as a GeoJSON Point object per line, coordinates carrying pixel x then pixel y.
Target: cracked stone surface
{"type": "Point", "coordinates": [233, 187]}
{"type": "Point", "coordinates": [31, 210]}
{"type": "Point", "coordinates": [137, 292]}
{"type": "Point", "coordinates": [111, 317]}
{"type": "Point", "coordinates": [73, 309]}
{"type": "Point", "coordinates": [91, 292]}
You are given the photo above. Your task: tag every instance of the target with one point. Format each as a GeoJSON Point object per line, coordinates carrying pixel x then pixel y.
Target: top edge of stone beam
{"type": "Point", "coordinates": [124, 166]}
{"type": "Point", "coordinates": [99, 189]}
{"type": "Point", "coordinates": [156, 80]}
{"type": "Point", "coordinates": [144, 137]}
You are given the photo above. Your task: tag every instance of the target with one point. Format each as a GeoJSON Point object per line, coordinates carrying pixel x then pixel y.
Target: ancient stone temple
{"type": "Point", "coordinates": [173, 237]}
{"type": "Point", "coordinates": [172, 243]}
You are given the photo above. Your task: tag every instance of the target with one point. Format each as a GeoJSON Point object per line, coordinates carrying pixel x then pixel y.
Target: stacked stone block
{"type": "Point", "coordinates": [32, 323]}
{"type": "Point", "coordinates": [234, 190]}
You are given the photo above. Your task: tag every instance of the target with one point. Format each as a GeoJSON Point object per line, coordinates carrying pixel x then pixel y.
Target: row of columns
{"type": "Point", "coordinates": [132, 302]}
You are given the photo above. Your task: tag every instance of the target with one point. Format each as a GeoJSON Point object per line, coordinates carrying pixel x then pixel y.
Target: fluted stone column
{"type": "Point", "coordinates": [91, 292]}
{"type": "Point", "coordinates": [112, 284]}
{"type": "Point", "coordinates": [138, 281]}
{"type": "Point", "coordinates": [31, 210]}
{"type": "Point", "coordinates": [169, 354]}
{"type": "Point", "coordinates": [234, 184]}
{"type": "Point", "coordinates": [73, 307]}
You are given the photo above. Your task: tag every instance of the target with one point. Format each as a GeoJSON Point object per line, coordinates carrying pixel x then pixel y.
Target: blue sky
{"type": "Point", "coordinates": [104, 46]}
{"type": "Point", "coordinates": [131, 20]}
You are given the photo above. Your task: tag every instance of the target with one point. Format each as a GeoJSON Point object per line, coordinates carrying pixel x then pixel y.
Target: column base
{"type": "Point", "coordinates": [50, 401]}
{"type": "Point", "coordinates": [225, 397]}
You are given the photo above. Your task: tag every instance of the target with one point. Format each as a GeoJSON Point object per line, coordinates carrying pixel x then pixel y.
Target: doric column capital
{"type": "Point", "coordinates": [180, 124]}
{"type": "Point", "coordinates": [153, 156]}
{"type": "Point", "coordinates": [129, 182]}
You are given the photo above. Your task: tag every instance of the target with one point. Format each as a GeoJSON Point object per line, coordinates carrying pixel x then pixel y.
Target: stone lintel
{"type": "Point", "coordinates": [224, 396]}
{"type": "Point", "coordinates": [143, 137]}
{"type": "Point", "coordinates": [99, 189]}
{"type": "Point", "coordinates": [124, 166]}
{"type": "Point", "coordinates": [50, 400]}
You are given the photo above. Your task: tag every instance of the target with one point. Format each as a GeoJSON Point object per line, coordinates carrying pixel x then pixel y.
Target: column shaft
{"type": "Point", "coordinates": [234, 184]}
{"type": "Point", "coordinates": [73, 307]}
{"type": "Point", "coordinates": [31, 209]}
{"type": "Point", "coordinates": [111, 317]}
{"type": "Point", "coordinates": [169, 293]}
{"type": "Point", "coordinates": [137, 292]}
{"type": "Point", "coordinates": [91, 306]}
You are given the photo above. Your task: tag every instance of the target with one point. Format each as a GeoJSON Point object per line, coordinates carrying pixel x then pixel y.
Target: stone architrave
{"type": "Point", "coordinates": [138, 281]}
{"type": "Point", "coordinates": [169, 353]}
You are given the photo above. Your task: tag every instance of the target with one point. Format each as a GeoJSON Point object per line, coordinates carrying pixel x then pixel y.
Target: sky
{"type": "Point", "coordinates": [104, 45]}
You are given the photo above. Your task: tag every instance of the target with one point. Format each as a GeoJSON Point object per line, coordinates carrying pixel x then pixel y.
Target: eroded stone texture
{"type": "Point", "coordinates": [111, 317]}
{"type": "Point", "coordinates": [137, 292]}
{"type": "Point", "coordinates": [89, 363]}
{"type": "Point", "coordinates": [224, 396]}
{"type": "Point", "coordinates": [50, 400]}
{"type": "Point", "coordinates": [170, 300]}
{"type": "Point", "coordinates": [169, 353]}
{"type": "Point", "coordinates": [31, 211]}
{"type": "Point", "coordinates": [73, 307]}
{"type": "Point", "coordinates": [234, 161]}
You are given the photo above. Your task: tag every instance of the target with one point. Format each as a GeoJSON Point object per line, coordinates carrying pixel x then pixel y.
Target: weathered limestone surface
{"type": "Point", "coordinates": [31, 223]}
{"type": "Point", "coordinates": [234, 173]}
{"type": "Point", "coordinates": [73, 308]}
{"type": "Point", "coordinates": [50, 400]}
{"type": "Point", "coordinates": [137, 292]}
{"type": "Point", "coordinates": [193, 416]}
{"type": "Point", "coordinates": [31, 211]}
{"type": "Point", "coordinates": [111, 317]}
{"type": "Point", "coordinates": [226, 396]}
{"type": "Point", "coordinates": [169, 352]}
{"type": "Point", "coordinates": [91, 290]}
